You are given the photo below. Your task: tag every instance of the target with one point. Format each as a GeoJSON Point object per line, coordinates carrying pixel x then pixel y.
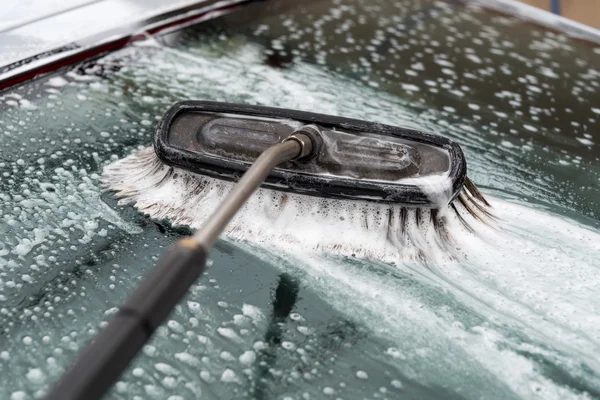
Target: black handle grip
{"type": "Point", "coordinates": [103, 361]}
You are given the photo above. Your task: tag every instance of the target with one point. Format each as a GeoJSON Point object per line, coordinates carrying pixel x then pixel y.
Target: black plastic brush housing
{"type": "Point", "coordinates": [355, 159]}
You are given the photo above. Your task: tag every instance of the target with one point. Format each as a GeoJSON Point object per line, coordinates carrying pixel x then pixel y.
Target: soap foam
{"type": "Point", "coordinates": [533, 283]}
{"type": "Point", "coordinates": [348, 228]}
{"type": "Point", "coordinates": [532, 280]}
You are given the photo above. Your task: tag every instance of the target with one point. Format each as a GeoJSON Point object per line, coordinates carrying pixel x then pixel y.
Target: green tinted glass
{"type": "Point", "coordinates": [515, 319]}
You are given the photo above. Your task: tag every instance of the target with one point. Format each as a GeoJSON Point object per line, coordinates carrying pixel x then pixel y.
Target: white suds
{"type": "Point", "coordinates": [362, 229]}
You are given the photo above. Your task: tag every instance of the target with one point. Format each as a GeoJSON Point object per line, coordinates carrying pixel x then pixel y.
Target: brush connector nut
{"type": "Point", "coordinates": [306, 145]}
{"type": "Point", "coordinates": [313, 133]}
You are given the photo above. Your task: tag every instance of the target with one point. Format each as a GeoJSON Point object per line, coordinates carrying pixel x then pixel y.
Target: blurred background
{"type": "Point", "coordinates": [16, 11]}
{"type": "Point", "coordinates": [584, 11]}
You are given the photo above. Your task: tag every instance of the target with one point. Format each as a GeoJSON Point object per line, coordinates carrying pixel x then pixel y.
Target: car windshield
{"type": "Point", "coordinates": [518, 318]}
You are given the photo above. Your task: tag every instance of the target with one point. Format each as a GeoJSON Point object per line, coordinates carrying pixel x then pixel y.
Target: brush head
{"type": "Point", "coordinates": [353, 159]}
{"type": "Point", "coordinates": [368, 190]}
{"type": "Point", "coordinates": [281, 220]}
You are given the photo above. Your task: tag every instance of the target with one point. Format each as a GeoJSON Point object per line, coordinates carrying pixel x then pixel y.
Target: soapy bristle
{"type": "Point", "coordinates": [348, 228]}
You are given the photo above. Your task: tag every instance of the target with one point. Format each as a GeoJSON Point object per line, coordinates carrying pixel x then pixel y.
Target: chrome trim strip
{"type": "Point", "coordinates": [68, 53]}
{"type": "Point", "coordinates": [542, 17]}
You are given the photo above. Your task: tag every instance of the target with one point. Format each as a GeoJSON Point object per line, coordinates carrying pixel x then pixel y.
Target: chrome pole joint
{"type": "Point", "coordinates": [295, 147]}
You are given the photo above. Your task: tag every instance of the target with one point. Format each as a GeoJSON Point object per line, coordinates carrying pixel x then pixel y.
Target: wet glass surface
{"type": "Point", "coordinates": [519, 319]}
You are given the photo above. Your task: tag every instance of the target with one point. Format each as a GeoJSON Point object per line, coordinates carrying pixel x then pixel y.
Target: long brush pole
{"type": "Point", "coordinates": [102, 362]}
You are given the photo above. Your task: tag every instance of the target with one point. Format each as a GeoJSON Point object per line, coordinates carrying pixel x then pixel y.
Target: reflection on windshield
{"type": "Point", "coordinates": [516, 321]}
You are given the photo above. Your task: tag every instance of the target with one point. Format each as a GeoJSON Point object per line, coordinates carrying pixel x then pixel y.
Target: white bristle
{"type": "Point", "coordinates": [323, 225]}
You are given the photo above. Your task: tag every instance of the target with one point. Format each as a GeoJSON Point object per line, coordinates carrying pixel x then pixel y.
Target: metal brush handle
{"type": "Point", "coordinates": [296, 146]}
{"type": "Point", "coordinates": [103, 361]}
